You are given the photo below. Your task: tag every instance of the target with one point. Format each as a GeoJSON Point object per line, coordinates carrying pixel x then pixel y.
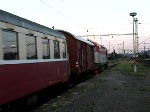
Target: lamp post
{"type": "Point", "coordinates": [133, 14]}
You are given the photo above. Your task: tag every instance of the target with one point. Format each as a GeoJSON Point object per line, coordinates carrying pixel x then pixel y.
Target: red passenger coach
{"type": "Point", "coordinates": [32, 57]}
{"type": "Point", "coordinates": [81, 55]}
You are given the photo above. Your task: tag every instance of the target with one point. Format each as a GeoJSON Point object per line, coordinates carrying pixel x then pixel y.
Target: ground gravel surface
{"type": "Point", "coordinates": [110, 91]}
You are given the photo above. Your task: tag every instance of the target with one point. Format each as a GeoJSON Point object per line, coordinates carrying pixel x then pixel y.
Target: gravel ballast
{"type": "Point", "coordinates": [110, 91]}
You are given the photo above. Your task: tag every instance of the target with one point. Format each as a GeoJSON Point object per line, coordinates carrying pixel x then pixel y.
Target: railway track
{"type": "Point", "coordinates": [145, 61]}
{"type": "Point", "coordinates": [111, 66]}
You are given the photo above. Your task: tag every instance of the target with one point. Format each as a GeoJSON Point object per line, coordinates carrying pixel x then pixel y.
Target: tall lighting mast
{"type": "Point", "coordinates": [133, 14]}
{"type": "Point", "coordinates": [136, 36]}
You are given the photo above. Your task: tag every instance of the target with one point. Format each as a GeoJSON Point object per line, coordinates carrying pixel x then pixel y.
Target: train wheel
{"type": "Point", "coordinates": [66, 85]}
{"type": "Point", "coordinates": [103, 68]}
{"type": "Point", "coordinates": [32, 100]}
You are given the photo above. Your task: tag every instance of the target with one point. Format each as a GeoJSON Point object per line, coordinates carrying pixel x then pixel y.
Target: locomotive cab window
{"type": "Point", "coordinates": [56, 49]}
{"type": "Point", "coordinates": [45, 49]}
{"type": "Point", "coordinates": [10, 45]}
{"type": "Point", "coordinates": [64, 49]}
{"type": "Point", "coordinates": [31, 47]}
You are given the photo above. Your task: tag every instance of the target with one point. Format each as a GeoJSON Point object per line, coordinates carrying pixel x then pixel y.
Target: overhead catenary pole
{"type": "Point", "coordinates": [109, 47]}
{"type": "Point", "coordinates": [113, 53]}
{"type": "Point", "coordinates": [123, 52]}
{"type": "Point", "coordinates": [101, 41]}
{"type": "Point", "coordinates": [144, 47]}
{"type": "Point", "coordinates": [87, 34]}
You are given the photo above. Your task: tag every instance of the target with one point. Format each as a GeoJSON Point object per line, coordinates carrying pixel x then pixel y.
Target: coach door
{"type": "Point", "coordinates": [82, 57]}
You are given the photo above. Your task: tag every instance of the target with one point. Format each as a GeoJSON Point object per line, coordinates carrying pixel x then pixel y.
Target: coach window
{"type": "Point", "coordinates": [10, 45]}
{"type": "Point", "coordinates": [45, 49]}
{"type": "Point", "coordinates": [31, 47]}
{"type": "Point", "coordinates": [56, 49]}
{"type": "Point", "coordinates": [64, 49]}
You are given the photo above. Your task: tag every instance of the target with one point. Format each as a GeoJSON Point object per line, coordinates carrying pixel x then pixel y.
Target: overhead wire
{"type": "Point", "coordinates": [60, 13]}
{"type": "Point", "coordinates": [54, 9]}
{"type": "Point", "coordinates": [68, 17]}
{"type": "Point", "coordinates": [77, 23]}
{"type": "Point", "coordinates": [144, 40]}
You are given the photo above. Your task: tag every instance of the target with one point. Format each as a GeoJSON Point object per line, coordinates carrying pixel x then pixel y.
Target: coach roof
{"type": "Point", "coordinates": [78, 38]}
{"type": "Point", "coordinates": [18, 21]}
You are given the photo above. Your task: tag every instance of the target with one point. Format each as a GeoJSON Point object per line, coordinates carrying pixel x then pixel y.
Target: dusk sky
{"type": "Point", "coordinates": [97, 16]}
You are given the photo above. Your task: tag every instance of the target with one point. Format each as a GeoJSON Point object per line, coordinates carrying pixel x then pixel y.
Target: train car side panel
{"type": "Point", "coordinates": [32, 57]}
{"type": "Point", "coordinates": [80, 62]}
{"type": "Point", "coordinates": [1, 51]}
{"type": "Point", "coordinates": [90, 58]}
{"type": "Point", "coordinates": [103, 56]}
{"type": "Point", "coordinates": [100, 57]}
{"type": "Point", "coordinates": [28, 78]}
{"type": "Point", "coordinates": [72, 50]}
